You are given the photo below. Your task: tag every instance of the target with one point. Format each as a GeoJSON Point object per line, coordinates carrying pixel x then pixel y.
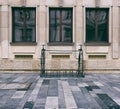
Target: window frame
{"type": "Point", "coordinates": [71, 25]}
{"type": "Point", "coordinates": [25, 33]}
{"type": "Point", "coordinates": [97, 41]}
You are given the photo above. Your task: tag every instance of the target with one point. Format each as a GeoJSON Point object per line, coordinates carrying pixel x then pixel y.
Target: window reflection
{"type": "Point", "coordinates": [24, 25]}
{"type": "Point", "coordinates": [96, 25]}
{"type": "Point", "coordinates": [60, 25]}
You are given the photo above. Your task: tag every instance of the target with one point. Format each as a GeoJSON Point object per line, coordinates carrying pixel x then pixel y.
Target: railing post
{"type": "Point", "coordinates": [43, 60]}
{"type": "Point", "coordinates": [80, 62]}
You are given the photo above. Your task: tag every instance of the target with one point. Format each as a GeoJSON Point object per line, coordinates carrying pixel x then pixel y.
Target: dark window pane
{"type": "Point", "coordinates": [18, 17]}
{"type": "Point", "coordinates": [30, 25]}
{"type": "Point", "coordinates": [55, 26]}
{"type": "Point", "coordinates": [66, 36]}
{"type": "Point", "coordinates": [96, 25]}
{"type": "Point", "coordinates": [24, 25]}
{"type": "Point", "coordinates": [60, 25]}
{"type": "Point", "coordinates": [66, 26]}
{"type": "Point", "coordinates": [55, 34]}
{"type": "Point", "coordinates": [102, 26]}
{"type": "Point", "coordinates": [55, 17]}
{"type": "Point", "coordinates": [90, 25]}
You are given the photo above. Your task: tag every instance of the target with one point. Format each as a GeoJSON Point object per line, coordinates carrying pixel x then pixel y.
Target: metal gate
{"type": "Point", "coordinates": [62, 73]}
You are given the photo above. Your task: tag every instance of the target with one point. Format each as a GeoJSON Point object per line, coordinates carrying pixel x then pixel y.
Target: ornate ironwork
{"type": "Point", "coordinates": [62, 73]}
{"type": "Point", "coordinates": [43, 60]}
{"type": "Point", "coordinates": [80, 62]}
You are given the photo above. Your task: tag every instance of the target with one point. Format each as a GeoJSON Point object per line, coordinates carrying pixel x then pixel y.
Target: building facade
{"type": "Point", "coordinates": [62, 26]}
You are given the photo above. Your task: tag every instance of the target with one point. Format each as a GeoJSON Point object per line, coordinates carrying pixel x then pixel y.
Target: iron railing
{"type": "Point", "coordinates": [62, 72]}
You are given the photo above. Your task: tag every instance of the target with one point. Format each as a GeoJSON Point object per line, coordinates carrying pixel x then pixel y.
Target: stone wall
{"type": "Point", "coordinates": [28, 66]}
{"type": "Point", "coordinates": [97, 58]}
{"type": "Point", "coordinates": [19, 65]}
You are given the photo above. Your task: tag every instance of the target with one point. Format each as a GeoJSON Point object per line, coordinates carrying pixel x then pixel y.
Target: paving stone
{"type": "Point", "coordinates": [98, 83]}
{"type": "Point", "coordinates": [35, 91]}
{"type": "Point", "coordinates": [108, 101]}
{"type": "Point", "coordinates": [110, 91]}
{"type": "Point", "coordinates": [15, 86]}
{"type": "Point", "coordinates": [40, 103]}
{"type": "Point", "coordinates": [11, 104]}
{"type": "Point", "coordinates": [2, 85]}
{"type": "Point", "coordinates": [40, 107]}
{"type": "Point", "coordinates": [61, 99]}
{"type": "Point", "coordinates": [53, 88]}
{"type": "Point", "coordinates": [42, 95]}
{"type": "Point", "coordinates": [18, 94]}
{"type": "Point", "coordinates": [45, 82]}
{"type": "Point", "coordinates": [91, 101]}
{"type": "Point", "coordinates": [94, 87]}
{"type": "Point", "coordinates": [24, 99]}
{"type": "Point", "coordinates": [89, 88]}
{"type": "Point", "coordinates": [18, 79]}
{"type": "Point", "coordinates": [80, 100]}
{"type": "Point", "coordinates": [28, 105]}
{"type": "Point", "coordinates": [82, 84]}
{"type": "Point", "coordinates": [75, 88]}
{"type": "Point", "coordinates": [6, 97]}
{"type": "Point", "coordinates": [32, 78]}
{"type": "Point", "coordinates": [101, 103]}
{"type": "Point", "coordinates": [95, 91]}
{"type": "Point", "coordinates": [43, 92]}
{"type": "Point", "coordinates": [117, 89]}
{"type": "Point", "coordinates": [98, 91]}
{"type": "Point", "coordinates": [69, 99]}
{"type": "Point", "coordinates": [51, 103]}
{"type": "Point", "coordinates": [117, 100]}
{"type": "Point", "coordinates": [72, 82]}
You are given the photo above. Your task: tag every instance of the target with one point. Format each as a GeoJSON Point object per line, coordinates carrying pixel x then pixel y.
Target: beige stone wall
{"type": "Point", "coordinates": [19, 65]}
{"type": "Point", "coordinates": [97, 58]}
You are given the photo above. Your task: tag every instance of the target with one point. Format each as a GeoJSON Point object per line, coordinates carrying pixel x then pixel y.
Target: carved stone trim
{"type": "Point", "coordinates": [60, 2]}
{"type": "Point", "coordinates": [23, 2]}
{"type": "Point", "coordinates": [97, 3]}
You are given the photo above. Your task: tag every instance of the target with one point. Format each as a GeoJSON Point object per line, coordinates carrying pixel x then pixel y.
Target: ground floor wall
{"type": "Point", "coordinates": [24, 56]}
{"type": "Point", "coordinates": [28, 66]}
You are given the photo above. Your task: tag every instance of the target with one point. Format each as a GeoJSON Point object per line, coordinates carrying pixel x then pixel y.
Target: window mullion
{"type": "Point", "coordinates": [24, 26]}
{"type": "Point", "coordinates": [55, 25]}
{"type": "Point", "coordinates": [60, 25]}
{"type": "Point", "coordinates": [96, 25]}
{"type": "Point", "coordinates": [13, 30]}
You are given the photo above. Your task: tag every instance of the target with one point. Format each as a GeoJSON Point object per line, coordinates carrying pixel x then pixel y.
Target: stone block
{"type": "Point", "coordinates": [15, 2]}
{"type": "Point", "coordinates": [51, 2]}
{"type": "Point", "coordinates": [4, 2]}
{"type": "Point", "coordinates": [69, 2]}
{"type": "Point", "coordinates": [4, 19]}
{"type": "Point", "coordinates": [32, 3]}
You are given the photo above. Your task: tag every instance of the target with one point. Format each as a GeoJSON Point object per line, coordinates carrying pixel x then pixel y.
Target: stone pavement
{"type": "Point", "coordinates": [29, 91]}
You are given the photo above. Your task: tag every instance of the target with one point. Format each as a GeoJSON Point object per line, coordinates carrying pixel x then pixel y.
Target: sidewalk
{"type": "Point", "coordinates": [29, 91]}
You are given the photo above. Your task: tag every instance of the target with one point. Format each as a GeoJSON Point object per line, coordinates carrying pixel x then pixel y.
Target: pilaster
{"type": "Point", "coordinates": [115, 28]}
{"type": "Point", "coordinates": [4, 29]}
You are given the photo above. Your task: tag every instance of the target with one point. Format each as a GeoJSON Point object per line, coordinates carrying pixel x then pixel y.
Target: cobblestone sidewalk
{"type": "Point", "coordinates": [29, 91]}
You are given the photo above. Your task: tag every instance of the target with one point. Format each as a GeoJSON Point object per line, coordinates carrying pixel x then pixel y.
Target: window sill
{"type": "Point", "coordinates": [97, 44]}
{"type": "Point", "coordinates": [60, 44]}
{"type": "Point", "coordinates": [23, 43]}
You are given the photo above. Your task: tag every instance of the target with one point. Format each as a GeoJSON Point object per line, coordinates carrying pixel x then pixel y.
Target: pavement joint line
{"type": "Point", "coordinates": [69, 99]}
{"type": "Point", "coordinates": [35, 91]}
{"type": "Point", "coordinates": [95, 91]}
